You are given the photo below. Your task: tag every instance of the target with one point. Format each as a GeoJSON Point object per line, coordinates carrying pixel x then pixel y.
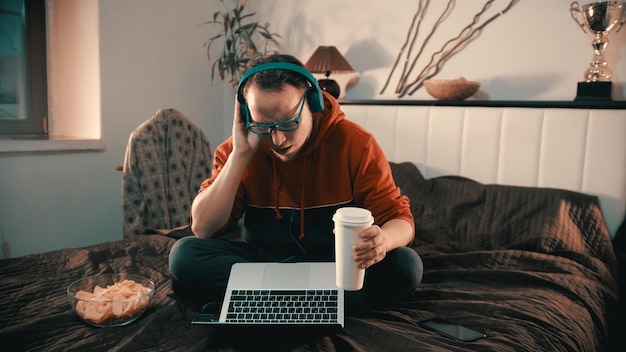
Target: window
{"type": "Point", "coordinates": [23, 83]}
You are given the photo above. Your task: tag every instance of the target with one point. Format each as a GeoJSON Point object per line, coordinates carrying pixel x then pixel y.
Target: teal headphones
{"type": "Point", "coordinates": [314, 96]}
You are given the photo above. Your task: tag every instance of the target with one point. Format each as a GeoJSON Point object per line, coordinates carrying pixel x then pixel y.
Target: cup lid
{"type": "Point", "coordinates": [353, 215]}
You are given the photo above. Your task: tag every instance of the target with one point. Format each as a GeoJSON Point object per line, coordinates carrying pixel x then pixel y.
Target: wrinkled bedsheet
{"type": "Point", "coordinates": [531, 268]}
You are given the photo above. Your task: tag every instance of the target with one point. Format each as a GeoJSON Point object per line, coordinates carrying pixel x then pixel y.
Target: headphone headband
{"type": "Point", "coordinates": [314, 98]}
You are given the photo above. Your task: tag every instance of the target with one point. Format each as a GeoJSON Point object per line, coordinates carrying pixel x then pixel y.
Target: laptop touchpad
{"type": "Point", "coordinates": [286, 276]}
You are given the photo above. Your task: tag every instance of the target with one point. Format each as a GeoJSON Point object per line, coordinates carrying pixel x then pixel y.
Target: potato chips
{"type": "Point", "coordinates": [121, 300]}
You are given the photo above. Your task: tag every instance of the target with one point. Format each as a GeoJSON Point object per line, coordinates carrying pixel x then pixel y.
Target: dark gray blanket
{"type": "Point", "coordinates": [532, 268]}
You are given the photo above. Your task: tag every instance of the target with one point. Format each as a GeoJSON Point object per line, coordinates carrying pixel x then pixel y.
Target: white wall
{"type": "Point", "coordinates": [151, 57]}
{"type": "Point", "coordinates": [535, 51]}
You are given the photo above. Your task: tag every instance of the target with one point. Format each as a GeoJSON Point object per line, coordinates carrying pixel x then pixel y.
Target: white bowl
{"type": "Point", "coordinates": [108, 300]}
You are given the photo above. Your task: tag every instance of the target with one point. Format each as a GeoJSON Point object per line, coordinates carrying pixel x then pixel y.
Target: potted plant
{"type": "Point", "coordinates": [241, 37]}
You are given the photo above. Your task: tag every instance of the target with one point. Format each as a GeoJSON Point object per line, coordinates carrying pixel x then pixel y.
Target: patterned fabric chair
{"type": "Point", "coordinates": [167, 157]}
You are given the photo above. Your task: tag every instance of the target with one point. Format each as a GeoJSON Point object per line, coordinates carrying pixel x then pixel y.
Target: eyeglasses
{"type": "Point", "coordinates": [284, 126]}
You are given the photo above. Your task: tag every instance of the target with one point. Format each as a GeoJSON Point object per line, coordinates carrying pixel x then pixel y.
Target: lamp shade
{"type": "Point", "coordinates": [327, 60]}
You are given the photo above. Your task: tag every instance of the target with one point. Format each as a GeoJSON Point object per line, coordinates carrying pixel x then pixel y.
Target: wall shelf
{"type": "Point", "coordinates": [586, 104]}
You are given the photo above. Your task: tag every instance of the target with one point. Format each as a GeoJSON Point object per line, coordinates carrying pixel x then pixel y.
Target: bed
{"type": "Point", "coordinates": [531, 266]}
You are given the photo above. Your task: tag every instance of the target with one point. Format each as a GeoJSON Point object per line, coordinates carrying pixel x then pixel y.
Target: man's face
{"type": "Point", "coordinates": [271, 107]}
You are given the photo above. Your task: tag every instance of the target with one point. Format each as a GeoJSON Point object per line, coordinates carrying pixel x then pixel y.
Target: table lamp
{"type": "Point", "coordinates": [327, 60]}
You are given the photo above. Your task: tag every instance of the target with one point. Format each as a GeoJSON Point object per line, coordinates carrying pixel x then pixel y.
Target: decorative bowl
{"type": "Point", "coordinates": [451, 89]}
{"type": "Point", "coordinates": [107, 300]}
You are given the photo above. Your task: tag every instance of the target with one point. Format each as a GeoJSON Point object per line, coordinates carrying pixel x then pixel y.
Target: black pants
{"type": "Point", "coordinates": [201, 268]}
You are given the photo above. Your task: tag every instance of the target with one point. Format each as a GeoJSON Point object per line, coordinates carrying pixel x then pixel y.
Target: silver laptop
{"type": "Point", "coordinates": [285, 294]}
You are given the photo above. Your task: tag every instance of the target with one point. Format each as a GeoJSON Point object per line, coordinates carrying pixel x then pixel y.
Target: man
{"type": "Point", "coordinates": [291, 162]}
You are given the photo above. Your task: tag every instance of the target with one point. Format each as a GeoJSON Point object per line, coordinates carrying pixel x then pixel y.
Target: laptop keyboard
{"type": "Point", "coordinates": [283, 306]}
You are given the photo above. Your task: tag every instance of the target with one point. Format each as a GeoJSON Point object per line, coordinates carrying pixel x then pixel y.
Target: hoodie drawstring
{"type": "Point", "coordinates": [301, 236]}
{"type": "Point", "coordinates": [276, 190]}
{"type": "Point", "coordinates": [276, 185]}
{"type": "Point", "coordinates": [302, 189]}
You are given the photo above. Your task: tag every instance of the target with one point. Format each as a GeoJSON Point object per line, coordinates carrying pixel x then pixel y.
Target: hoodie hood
{"type": "Point", "coordinates": [324, 122]}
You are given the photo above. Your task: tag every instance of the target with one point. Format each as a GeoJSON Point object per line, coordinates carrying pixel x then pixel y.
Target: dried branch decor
{"type": "Point", "coordinates": [448, 49]}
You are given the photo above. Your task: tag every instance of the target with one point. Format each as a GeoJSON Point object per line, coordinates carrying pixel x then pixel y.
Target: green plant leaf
{"type": "Point", "coordinates": [240, 41]}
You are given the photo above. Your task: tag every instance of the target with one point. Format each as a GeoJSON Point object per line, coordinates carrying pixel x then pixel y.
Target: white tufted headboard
{"type": "Point", "coordinates": [577, 149]}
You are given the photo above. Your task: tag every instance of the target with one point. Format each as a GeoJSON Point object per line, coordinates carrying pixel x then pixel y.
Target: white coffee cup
{"type": "Point", "coordinates": [349, 222]}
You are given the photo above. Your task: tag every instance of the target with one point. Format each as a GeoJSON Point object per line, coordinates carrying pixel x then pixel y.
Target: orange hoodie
{"type": "Point", "coordinates": [289, 205]}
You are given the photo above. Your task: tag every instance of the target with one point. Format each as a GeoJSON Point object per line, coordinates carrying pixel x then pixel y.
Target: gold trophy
{"type": "Point", "coordinates": [599, 18]}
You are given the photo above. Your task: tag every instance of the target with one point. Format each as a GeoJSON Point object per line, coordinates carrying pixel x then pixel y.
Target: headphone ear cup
{"type": "Point", "coordinates": [240, 93]}
{"type": "Point", "coordinates": [315, 99]}
{"type": "Point", "coordinates": [245, 112]}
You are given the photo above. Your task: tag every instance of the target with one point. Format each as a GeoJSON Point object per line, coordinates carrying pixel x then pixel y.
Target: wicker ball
{"type": "Point", "coordinates": [451, 89]}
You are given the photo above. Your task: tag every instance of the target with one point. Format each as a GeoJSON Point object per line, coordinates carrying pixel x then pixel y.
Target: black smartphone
{"type": "Point", "coordinates": [451, 330]}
